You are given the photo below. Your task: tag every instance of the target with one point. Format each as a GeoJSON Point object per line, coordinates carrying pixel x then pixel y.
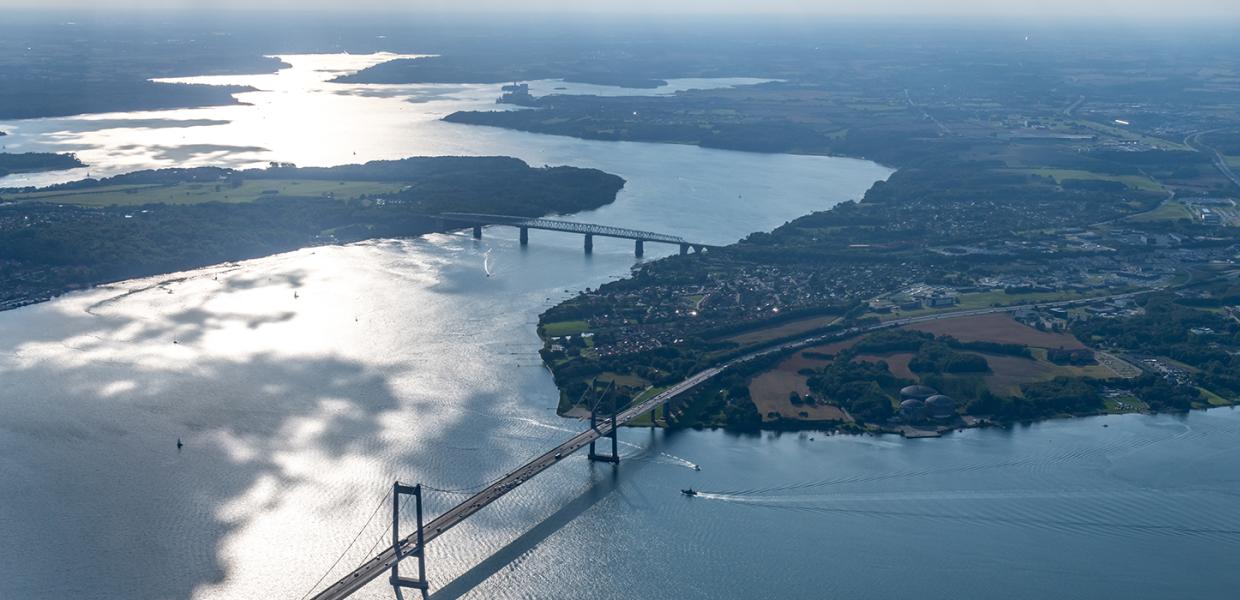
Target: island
{"type": "Point", "coordinates": [85, 233]}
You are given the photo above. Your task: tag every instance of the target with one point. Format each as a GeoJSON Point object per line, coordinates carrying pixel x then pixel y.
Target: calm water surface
{"type": "Point", "coordinates": [303, 383]}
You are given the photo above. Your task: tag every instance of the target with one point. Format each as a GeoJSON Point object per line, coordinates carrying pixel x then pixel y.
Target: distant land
{"type": "Point", "coordinates": [1092, 242]}
{"type": "Point", "coordinates": [139, 224]}
{"type": "Point", "coordinates": [54, 69]}
{"type": "Point", "coordinates": [33, 162]}
{"type": "Point", "coordinates": [492, 69]}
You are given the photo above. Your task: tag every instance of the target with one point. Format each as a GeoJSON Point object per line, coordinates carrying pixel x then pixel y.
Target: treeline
{"type": "Point", "coordinates": [1059, 396]}
{"type": "Point", "coordinates": [935, 354]}
{"type": "Point", "coordinates": [29, 99]}
{"type": "Point", "coordinates": [865, 389]}
{"type": "Point", "coordinates": [30, 162]}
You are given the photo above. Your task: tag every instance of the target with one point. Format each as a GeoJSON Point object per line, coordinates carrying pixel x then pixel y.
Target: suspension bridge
{"type": "Point", "coordinates": [413, 545]}
{"type": "Point", "coordinates": [590, 230]}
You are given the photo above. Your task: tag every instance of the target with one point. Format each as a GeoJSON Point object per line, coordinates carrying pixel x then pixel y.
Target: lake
{"type": "Point", "coordinates": [303, 384]}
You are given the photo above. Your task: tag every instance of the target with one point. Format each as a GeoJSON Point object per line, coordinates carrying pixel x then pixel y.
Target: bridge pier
{"type": "Point", "coordinates": [420, 583]}
{"type": "Point", "coordinates": [639, 249]}
{"type": "Point", "coordinates": [477, 232]}
{"type": "Point", "coordinates": [589, 243]}
{"type": "Point", "coordinates": [684, 249]}
{"type": "Point", "coordinates": [525, 236]}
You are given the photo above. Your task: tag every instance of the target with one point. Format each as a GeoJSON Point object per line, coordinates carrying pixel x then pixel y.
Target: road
{"type": "Point", "coordinates": [1067, 112]}
{"type": "Point", "coordinates": [376, 566]}
{"type": "Point", "coordinates": [942, 128]}
{"type": "Point", "coordinates": [1220, 161]}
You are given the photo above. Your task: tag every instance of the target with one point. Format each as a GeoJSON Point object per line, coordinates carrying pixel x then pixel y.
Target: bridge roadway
{"type": "Point", "coordinates": [373, 568]}
{"type": "Point", "coordinates": [567, 226]}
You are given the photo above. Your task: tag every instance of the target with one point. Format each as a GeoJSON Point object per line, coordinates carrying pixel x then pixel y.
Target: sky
{"type": "Point", "coordinates": [1119, 9]}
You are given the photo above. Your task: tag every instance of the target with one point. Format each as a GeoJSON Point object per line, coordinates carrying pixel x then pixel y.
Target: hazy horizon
{"type": "Point", "coordinates": [1121, 10]}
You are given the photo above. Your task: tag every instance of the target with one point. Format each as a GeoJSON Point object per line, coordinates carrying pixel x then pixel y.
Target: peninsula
{"type": "Point", "coordinates": [80, 234]}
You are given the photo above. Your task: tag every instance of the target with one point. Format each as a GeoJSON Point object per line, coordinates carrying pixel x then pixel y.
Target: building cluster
{"type": "Point", "coordinates": [640, 318]}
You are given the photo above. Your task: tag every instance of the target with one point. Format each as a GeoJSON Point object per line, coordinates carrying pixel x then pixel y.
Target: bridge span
{"type": "Point", "coordinates": [373, 568]}
{"type": "Point", "coordinates": [589, 230]}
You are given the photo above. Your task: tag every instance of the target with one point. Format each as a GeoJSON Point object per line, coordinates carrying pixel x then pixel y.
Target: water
{"type": "Point", "coordinates": [298, 116]}
{"type": "Point", "coordinates": [404, 359]}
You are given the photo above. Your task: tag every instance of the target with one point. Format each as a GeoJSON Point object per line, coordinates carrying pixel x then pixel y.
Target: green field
{"type": "Point", "coordinates": [632, 381]}
{"type": "Point", "coordinates": [781, 330]}
{"type": "Point", "coordinates": [1135, 404]}
{"type": "Point", "coordinates": [1060, 175]}
{"type": "Point", "coordinates": [1213, 399]}
{"type": "Point", "coordinates": [1167, 211]}
{"type": "Point", "coordinates": [561, 328]}
{"type": "Point", "coordinates": [193, 193]}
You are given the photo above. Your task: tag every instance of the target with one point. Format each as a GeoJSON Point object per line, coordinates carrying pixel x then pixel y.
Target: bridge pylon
{"type": "Point", "coordinates": [418, 551]}
{"type": "Point", "coordinates": [614, 457]}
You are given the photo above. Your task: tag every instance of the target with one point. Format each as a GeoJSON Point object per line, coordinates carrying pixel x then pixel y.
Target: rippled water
{"type": "Point", "coordinates": [302, 384]}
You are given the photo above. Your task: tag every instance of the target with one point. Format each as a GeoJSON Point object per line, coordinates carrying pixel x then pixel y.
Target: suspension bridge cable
{"type": "Point", "coordinates": [459, 491]}
{"type": "Point", "coordinates": [378, 506]}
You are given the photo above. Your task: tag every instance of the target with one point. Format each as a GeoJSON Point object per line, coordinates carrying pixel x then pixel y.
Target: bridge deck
{"type": "Point", "coordinates": [567, 226]}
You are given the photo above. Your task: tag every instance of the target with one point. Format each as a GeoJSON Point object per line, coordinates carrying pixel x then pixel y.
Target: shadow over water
{"type": "Point", "coordinates": [99, 470]}
{"type": "Point", "coordinates": [520, 547]}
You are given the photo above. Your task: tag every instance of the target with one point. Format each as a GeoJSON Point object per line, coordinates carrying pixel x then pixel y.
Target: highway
{"type": "Point", "coordinates": [376, 566]}
{"type": "Point", "coordinates": [1220, 161]}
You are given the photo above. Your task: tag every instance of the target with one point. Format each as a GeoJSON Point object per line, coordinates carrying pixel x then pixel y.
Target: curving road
{"type": "Point", "coordinates": [1220, 161]}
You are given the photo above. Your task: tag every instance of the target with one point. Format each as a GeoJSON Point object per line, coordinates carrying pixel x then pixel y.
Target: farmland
{"type": "Point", "coordinates": [198, 192]}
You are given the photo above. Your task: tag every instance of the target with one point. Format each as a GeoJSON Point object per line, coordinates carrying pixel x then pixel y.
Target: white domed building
{"type": "Point", "coordinates": [917, 392]}
{"type": "Point", "coordinates": [912, 409]}
{"type": "Point", "coordinates": [939, 406]}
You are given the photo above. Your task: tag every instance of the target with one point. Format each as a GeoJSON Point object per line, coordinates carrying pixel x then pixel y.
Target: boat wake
{"type": "Point", "coordinates": [486, 262]}
{"type": "Point", "coordinates": [1087, 520]}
